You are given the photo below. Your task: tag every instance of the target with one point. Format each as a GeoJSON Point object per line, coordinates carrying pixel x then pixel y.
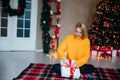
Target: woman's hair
{"type": "Point", "coordinates": [83, 29]}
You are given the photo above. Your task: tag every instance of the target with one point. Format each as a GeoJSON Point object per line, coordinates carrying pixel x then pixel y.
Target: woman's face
{"type": "Point", "coordinates": [78, 33]}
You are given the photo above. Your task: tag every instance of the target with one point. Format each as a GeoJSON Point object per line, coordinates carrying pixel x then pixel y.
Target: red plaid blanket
{"type": "Point", "coordinates": [43, 72]}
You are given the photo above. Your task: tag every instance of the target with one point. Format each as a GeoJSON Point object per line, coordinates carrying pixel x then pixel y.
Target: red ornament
{"type": "Point", "coordinates": [46, 41]}
{"type": "Point", "coordinates": [58, 18]}
{"type": "Point", "coordinates": [95, 47]}
{"type": "Point", "coordinates": [92, 40]}
{"type": "Point", "coordinates": [105, 24]}
{"type": "Point", "coordinates": [51, 23]}
{"type": "Point", "coordinates": [111, 24]}
{"type": "Point", "coordinates": [58, 7]}
{"type": "Point", "coordinates": [53, 42]}
{"type": "Point", "coordinates": [19, 9]}
{"type": "Point", "coordinates": [104, 17]}
{"type": "Point", "coordinates": [103, 49]}
{"type": "Point", "coordinates": [49, 3]}
{"type": "Point", "coordinates": [57, 28]}
{"type": "Point", "coordinates": [99, 7]}
{"type": "Point", "coordinates": [105, 0]}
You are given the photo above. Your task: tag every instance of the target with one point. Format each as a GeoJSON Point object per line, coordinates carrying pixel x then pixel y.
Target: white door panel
{"type": "Point", "coordinates": [21, 34]}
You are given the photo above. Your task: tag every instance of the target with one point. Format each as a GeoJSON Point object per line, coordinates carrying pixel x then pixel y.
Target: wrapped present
{"type": "Point", "coordinates": [114, 53]}
{"type": "Point", "coordinates": [109, 50]}
{"type": "Point", "coordinates": [68, 71]}
{"type": "Point", "coordinates": [106, 49]}
{"type": "Point", "coordinates": [94, 53]}
{"type": "Point", "coordinates": [95, 50]}
{"type": "Point", "coordinates": [106, 52]}
{"type": "Point", "coordinates": [118, 53]}
{"type": "Point", "coordinates": [95, 47]}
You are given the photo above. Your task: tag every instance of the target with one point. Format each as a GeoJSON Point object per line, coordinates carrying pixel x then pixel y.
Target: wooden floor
{"type": "Point", "coordinates": [12, 63]}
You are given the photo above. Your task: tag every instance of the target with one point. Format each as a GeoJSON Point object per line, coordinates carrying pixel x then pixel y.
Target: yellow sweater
{"type": "Point", "coordinates": [77, 49]}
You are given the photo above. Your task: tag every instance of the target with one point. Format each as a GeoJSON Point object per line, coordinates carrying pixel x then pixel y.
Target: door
{"type": "Point", "coordinates": [18, 33]}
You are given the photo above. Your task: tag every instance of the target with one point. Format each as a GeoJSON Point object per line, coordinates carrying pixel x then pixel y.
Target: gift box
{"type": "Point", "coordinates": [95, 50]}
{"type": "Point", "coordinates": [68, 71]}
{"type": "Point", "coordinates": [106, 52]}
{"type": "Point", "coordinates": [116, 53]}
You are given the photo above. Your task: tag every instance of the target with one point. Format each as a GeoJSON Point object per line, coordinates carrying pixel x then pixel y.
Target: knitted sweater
{"type": "Point", "coordinates": [77, 49]}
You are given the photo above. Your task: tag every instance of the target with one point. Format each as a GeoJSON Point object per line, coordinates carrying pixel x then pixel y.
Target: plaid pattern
{"type": "Point", "coordinates": [43, 72]}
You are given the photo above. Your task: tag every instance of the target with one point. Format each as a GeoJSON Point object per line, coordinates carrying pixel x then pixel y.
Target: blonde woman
{"type": "Point", "coordinates": [77, 46]}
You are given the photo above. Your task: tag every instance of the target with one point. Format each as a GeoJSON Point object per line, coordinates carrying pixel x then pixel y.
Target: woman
{"type": "Point", "coordinates": [77, 46]}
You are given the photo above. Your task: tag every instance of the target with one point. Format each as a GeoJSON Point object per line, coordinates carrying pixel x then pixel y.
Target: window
{"type": "Point", "coordinates": [23, 22]}
{"type": "Point", "coordinates": [3, 21]}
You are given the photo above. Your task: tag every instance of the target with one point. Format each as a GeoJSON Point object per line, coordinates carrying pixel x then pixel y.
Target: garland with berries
{"type": "Point", "coordinates": [14, 12]}
{"type": "Point", "coordinates": [46, 23]}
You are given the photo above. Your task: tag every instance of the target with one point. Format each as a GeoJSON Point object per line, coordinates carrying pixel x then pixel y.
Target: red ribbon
{"type": "Point", "coordinates": [72, 69]}
{"type": "Point", "coordinates": [105, 49]}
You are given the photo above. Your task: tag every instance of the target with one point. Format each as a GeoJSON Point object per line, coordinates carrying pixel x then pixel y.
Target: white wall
{"type": "Point", "coordinates": [38, 36]}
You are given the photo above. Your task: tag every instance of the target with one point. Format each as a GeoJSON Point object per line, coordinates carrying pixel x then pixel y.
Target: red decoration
{"type": "Point", "coordinates": [19, 9]}
{"type": "Point", "coordinates": [111, 24]}
{"type": "Point", "coordinates": [51, 16]}
{"type": "Point", "coordinates": [49, 3]}
{"type": "Point", "coordinates": [58, 7]}
{"type": "Point", "coordinates": [99, 7]}
{"type": "Point", "coordinates": [57, 28]}
{"type": "Point", "coordinates": [95, 47]}
{"type": "Point", "coordinates": [95, 18]}
{"type": "Point", "coordinates": [53, 42]}
{"type": "Point", "coordinates": [106, 52]}
{"type": "Point", "coordinates": [104, 17]}
{"type": "Point", "coordinates": [105, 0]}
{"type": "Point", "coordinates": [118, 52]}
{"type": "Point", "coordinates": [58, 18]}
{"type": "Point", "coordinates": [51, 23]}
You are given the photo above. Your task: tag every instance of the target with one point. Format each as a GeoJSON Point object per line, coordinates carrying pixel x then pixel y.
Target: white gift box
{"type": "Point", "coordinates": [114, 53]}
{"type": "Point", "coordinates": [68, 71]}
{"type": "Point", "coordinates": [118, 53]}
{"type": "Point", "coordinates": [94, 52]}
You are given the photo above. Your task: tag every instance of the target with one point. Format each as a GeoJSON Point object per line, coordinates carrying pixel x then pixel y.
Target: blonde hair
{"type": "Point", "coordinates": [83, 29]}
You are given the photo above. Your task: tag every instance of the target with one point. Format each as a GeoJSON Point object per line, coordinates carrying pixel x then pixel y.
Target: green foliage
{"type": "Point", "coordinates": [45, 26]}
{"type": "Point", "coordinates": [14, 12]}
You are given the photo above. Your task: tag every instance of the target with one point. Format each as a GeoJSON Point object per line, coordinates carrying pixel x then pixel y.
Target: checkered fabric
{"type": "Point", "coordinates": [37, 71]}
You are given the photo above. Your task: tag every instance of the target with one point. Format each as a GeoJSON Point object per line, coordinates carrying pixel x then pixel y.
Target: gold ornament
{"type": "Point", "coordinates": [52, 54]}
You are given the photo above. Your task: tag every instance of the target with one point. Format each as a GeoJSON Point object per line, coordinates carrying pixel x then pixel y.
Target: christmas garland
{"type": "Point", "coordinates": [14, 12]}
{"type": "Point", "coordinates": [55, 37]}
{"type": "Point", "coordinates": [46, 24]}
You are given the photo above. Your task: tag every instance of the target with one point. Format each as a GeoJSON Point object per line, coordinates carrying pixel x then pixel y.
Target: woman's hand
{"type": "Point", "coordinates": [65, 60]}
{"type": "Point", "coordinates": [74, 64]}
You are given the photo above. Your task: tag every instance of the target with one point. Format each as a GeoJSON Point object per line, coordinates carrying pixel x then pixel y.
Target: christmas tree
{"type": "Point", "coordinates": [105, 27]}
